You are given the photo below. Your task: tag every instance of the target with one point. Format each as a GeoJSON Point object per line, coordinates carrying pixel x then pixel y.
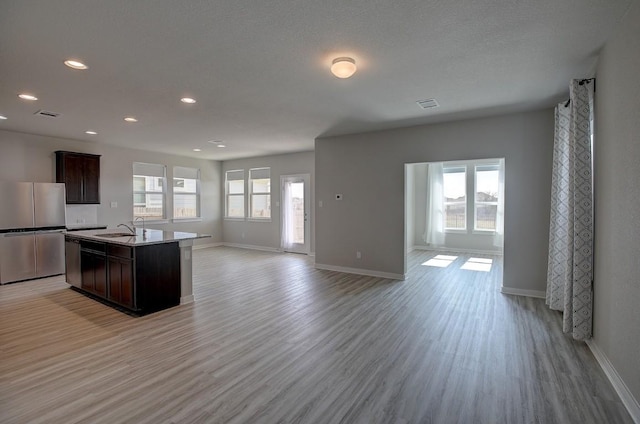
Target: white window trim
{"type": "Point", "coordinates": [227, 194]}
{"type": "Point", "coordinates": [154, 221]}
{"type": "Point", "coordinates": [164, 219]}
{"type": "Point", "coordinates": [453, 169]}
{"type": "Point", "coordinates": [178, 220]}
{"type": "Point", "coordinates": [198, 216]}
{"type": "Point", "coordinates": [249, 213]}
{"type": "Point", "coordinates": [493, 166]}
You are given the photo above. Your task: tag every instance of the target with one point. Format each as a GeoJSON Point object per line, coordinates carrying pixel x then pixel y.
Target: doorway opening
{"type": "Point", "coordinates": [456, 209]}
{"type": "Point", "coordinates": [294, 230]}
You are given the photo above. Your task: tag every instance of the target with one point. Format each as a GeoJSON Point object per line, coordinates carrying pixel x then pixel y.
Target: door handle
{"type": "Point", "coordinates": [19, 234]}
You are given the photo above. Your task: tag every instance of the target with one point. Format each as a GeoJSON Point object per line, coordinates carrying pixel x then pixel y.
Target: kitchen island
{"type": "Point", "coordinates": [142, 273]}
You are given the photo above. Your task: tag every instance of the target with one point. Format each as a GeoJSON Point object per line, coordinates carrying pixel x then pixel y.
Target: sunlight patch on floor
{"type": "Point", "coordinates": [440, 261]}
{"type": "Point", "coordinates": [478, 264]}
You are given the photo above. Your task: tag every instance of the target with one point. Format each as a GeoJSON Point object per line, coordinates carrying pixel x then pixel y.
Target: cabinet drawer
{"type": "Point", "coordinates": [119, 251]}
{"type": "Point", "coordinates": [94, 246]}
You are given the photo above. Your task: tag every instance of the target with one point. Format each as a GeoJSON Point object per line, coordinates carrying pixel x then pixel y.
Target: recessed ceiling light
{"type": "Point", "coordinates": [343, 67]}
{"type": "Point", "coordinates": [25, 96]}
{"type": "Point", "coordinates": [74, 64]}
{"type": "Point", "coordinates": [91, 132]}
{"type": "Point", "coordinates": [221, 145]}
{"type": "Point", "coordinates": [2, 117]}
{"type": "Point", "coordinates": [130, 119]}
{"type": "Point", "coordinates": [197, 150]}
{"type": "Point", "coordinates": [188, 100]}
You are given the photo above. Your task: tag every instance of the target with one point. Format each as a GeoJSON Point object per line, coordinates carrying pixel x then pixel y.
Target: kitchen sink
{"type": "Point", "coordinates": [115, 235]}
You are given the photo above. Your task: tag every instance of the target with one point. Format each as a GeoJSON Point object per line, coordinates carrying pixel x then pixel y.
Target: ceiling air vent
{"type": "Point", "coordinates": [428, 103]}
{"type": "Point", "coordinates": [47, 113]}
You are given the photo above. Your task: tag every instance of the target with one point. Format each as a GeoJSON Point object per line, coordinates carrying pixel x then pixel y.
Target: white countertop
{"type": "Point", "coordinates": [150, 236]}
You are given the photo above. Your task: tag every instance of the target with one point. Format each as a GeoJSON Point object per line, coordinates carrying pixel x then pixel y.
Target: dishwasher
{"type": "Point", "coordinates": [72, 261]}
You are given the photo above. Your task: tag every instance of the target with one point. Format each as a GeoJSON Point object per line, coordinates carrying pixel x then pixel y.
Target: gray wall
{"type": "Point", "coordinates": [617, 223]}
{"type": "Point", "coordinates": [368, 169]}
{"type": "Point", "coordinates": [28, 157]}
{"type": "Point", "coordinates": [267, 234]}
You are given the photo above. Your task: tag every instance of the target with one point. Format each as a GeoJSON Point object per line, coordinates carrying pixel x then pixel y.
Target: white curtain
{"type": "Point", "coordinates": [498, 238]}
{"type": "Point", "coordinates": [570, 269]}
{"type": "Point", "coordinates": [434, 226]}
{"type": "Point", "coordinates": [287, 217]}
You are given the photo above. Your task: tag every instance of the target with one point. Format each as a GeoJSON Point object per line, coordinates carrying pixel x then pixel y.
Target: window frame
{"type": "Point", "coordinates": [252, 193]}
{"type": "Point", "coordinates": [146, 192]}
{"type": "Point", "coordinates": [227, 195]}
{"type": "Point", "coordinates": [482, 167]}
{"type": "Point", "coordinates": [195, 172]}
{"type": "Point", "coordinates": [455, 169]}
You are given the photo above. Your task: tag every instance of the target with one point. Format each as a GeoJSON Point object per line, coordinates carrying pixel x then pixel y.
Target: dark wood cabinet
{"type": "Point", "coordinates": [93, 267]}
{"type": "Point", "coordinates": [81, 174]}
{"type": "Point", "coordinates": [142, 279]}
{"type": "Point", "coordinates": [121, 277]}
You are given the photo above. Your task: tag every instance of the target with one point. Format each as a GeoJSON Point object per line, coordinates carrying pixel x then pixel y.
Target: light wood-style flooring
{"type": "Point", "coordinates": [270, 339]}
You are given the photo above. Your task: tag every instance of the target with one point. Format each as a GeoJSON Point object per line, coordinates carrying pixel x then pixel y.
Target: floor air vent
{"type": "Point", "coordinates": [428, 103]}
{"type": "Point", "coordinates": [47, 113]}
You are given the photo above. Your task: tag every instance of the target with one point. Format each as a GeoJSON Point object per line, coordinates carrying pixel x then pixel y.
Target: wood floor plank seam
{"type": "Point", "coordinates": [271, 339]}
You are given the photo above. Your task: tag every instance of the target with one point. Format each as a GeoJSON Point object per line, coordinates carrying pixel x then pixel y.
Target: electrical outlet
{"type": "Point", "coordinates": [320, 204]}
{"type": "Point", "coordinates": [358, 254]}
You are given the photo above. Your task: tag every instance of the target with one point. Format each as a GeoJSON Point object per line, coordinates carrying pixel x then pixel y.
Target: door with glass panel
{"type": "Point", "coordinates": [295, 213]}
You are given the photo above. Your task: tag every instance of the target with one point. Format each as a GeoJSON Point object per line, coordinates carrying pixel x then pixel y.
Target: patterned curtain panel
{"type": "Point", "coordinates": [570, 270]}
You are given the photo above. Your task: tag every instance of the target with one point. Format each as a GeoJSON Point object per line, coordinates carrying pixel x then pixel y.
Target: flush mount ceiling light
{"type": "Point", "coordinates": [197, 150]}
{"type": "Point", "coordinates": [91, 132]}
{"type": "Point", "coordinates": [343, 67]}
{"type": "Point", "coordinates": [221, 145]}
{"type": "Point", "coordinates": [74, 64]}
{"type": "Point", "coordinates": [188, 100]}
{"type": "Point", "coordinates": [25, 96]}
{"type": "Point", "coordinates": [130, 119]}
{"type": "Point", "coordinates": [2, 117]}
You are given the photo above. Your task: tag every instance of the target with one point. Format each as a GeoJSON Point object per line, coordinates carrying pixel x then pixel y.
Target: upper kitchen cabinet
{"type": "Point", "coordinates": [81, 174]}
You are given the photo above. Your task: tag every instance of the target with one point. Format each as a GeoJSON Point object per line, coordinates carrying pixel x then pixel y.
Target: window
{"type": "Point", "coordinates": [149, 188]}
{"type": "Point", "coordinates": [455, 198]}
{"type": "Point", "coordinates": [260, 193]}
{"type": "Point", "coordinates": [234, 191]}
{"type": "Point", "coordinates": [186, 192]}
{"type": "Point", "coordinates": [486, 197]}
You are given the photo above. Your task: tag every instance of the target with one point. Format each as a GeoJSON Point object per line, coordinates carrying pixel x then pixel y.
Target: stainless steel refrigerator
{"type": "Point", "coordinates": [32, 224]}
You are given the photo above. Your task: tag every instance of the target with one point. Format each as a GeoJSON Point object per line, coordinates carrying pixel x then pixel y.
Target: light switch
{"type": "Point", "coordinates": [320, 204]}
{"type": "Point", "coordinates": [114, 204]}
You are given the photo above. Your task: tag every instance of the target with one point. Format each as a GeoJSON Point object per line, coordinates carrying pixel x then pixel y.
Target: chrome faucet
{"type": "Point", "coordinates": [133, 231]}
{"type": "Point", "coordinates": [144, 231]}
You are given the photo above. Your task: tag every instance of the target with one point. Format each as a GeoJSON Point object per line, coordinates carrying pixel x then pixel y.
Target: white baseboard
{"type": "Point", "coordinates": [521, 292]}
{"type": "Point", "coordinates": [252, 247]}
{"type": "Point", "coordinates": [455, 250]}
{"type": "Point", "coordinates": [206, 246]}
{"type": "Point", "coordinates": [359, 271]}
{"type": "Point", "coordinates": [618, 384]}
{"type": "Point", "coordinates": [185, 300]}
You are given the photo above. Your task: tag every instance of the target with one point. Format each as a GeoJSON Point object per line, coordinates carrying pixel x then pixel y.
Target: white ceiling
{"type": "Point", "coordinates": [260, 69]}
